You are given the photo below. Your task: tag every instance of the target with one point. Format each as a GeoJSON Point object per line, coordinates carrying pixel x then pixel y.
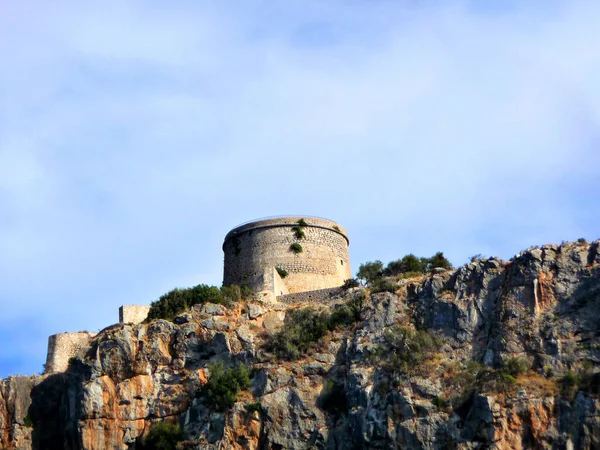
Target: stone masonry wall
{"type": "Point", "coordinates": [318, 296]}
{"type": "Point", "coordinates": [62, 347]}
{"type": "Point", "coordinates": [252, 250]}
{"type": "Point", "coordinates": [133, 313]}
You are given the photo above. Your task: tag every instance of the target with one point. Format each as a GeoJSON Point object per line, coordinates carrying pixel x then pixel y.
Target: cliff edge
{"type": "Point", "coordinates": [495, 354]}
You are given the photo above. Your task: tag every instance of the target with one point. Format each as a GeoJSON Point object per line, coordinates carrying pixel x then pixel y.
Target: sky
{"type": "Point", "coordinates": [135, 134]}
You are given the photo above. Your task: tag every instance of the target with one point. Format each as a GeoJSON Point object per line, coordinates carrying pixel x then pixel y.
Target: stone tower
{"type": "Point", "coordinates": [286, 255]}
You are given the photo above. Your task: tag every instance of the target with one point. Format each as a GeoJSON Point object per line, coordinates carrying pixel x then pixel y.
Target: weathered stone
{"type": "Point", "coordinates": [255, 311]}
{"type": "Point", "coordinates": [273, 321]}
{"type": "Point", "coordinates": [212, 309]}
{"type": "Point", "coordinates": [542, 307]}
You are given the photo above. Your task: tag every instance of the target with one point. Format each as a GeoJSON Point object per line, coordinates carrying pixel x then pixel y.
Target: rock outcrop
{"type": "Point", "coordinates": [540, 310]}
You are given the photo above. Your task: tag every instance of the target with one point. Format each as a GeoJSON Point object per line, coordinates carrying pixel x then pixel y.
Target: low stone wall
{"type": "Point", "coordinates": [133, 313]}
{"type": "Point", "coordinates": [64, 346]}
{"type": "Point", "coordinates": [317, 296]}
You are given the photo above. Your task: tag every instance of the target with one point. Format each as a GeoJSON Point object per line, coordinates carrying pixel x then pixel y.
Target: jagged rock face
{"type": "Point", "coordinates": [543, 306]}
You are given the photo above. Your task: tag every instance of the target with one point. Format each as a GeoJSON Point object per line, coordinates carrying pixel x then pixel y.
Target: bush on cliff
{"type": "Point", "coordinates": [415, 265]}
{"type": "Point", "coordinates": [404, 350]}
{"type": "Point", "coordinates": [163, 436]}
{"type": "Point", "coordinates": [305, 327]}
{"type": "Point", "coordinates": [178, 300]}
{"type": "Point", "coordinates": [409, 263]}
{"type": "Point", "coordinates": [223, 385]}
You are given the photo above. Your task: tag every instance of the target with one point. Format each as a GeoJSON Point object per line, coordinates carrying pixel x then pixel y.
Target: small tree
{"type": "Point", "coordinates": [178, 300]}
{"type": "Point", "coordinates": [409, 263]}
{"type": "Point", "coordinates": [438, 261]}
{"type": "Point", "coordinates": [370, 271]}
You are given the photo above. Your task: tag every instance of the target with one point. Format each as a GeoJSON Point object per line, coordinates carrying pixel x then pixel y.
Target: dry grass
{"type": "Point", "coordinates": [537, 384]}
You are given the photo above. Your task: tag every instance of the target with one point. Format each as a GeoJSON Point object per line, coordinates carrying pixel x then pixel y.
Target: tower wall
{"type": "Point", "coordinates": [64, 346]}
{"type": "Point", "coordinates": [254, 250]}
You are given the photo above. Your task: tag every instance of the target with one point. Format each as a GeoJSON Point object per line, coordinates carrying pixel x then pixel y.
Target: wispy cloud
{"type": "Point", "coordinates": [133, 135]}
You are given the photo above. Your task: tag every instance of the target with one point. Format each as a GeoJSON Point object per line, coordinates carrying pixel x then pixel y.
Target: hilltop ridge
{"type": "Point", "coordinates": [493, 354]}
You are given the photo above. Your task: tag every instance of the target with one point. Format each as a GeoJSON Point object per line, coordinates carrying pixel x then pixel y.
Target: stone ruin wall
{"type": "Point", "coordinates": [64, 346]}
{"type": "Point", "coordinates": [133, 313]}
{"type": "Point", "coordinates": [252, 252]}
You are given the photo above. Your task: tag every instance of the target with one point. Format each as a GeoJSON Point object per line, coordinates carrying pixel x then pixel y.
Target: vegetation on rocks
{"type": "Point", "coordinates": [497, 354]}
{"type": "Point", "coordinates": [409, 265]}
{"type": "Point", "coordinates": [282, 272]}
{"type": "Point", "coordinates": [384, 285]}
{"type": "Point", "coordinates": [350, 283]}
{"type": "Point", "coordinates": [305, 327]}
{"type": "Point", "coordinates": [404, 351]}
{"type": "Point", "coordinates": [163, 436]}
{"type": "Point", "coordinates": [178, 300]}
{"type": "Point", "coordinates": [370, 271]}
{"type": "Point", "coordinates": [224, 384]}
{"type": "Point", "coordinates": [296, 247]}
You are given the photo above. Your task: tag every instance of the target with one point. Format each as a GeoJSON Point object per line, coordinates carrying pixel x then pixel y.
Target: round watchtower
{"type": "Point", "coordinates": [285, 255]}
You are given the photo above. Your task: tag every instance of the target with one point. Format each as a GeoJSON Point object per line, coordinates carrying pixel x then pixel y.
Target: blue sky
{"type": "Point", "coordinates": [134, 135]}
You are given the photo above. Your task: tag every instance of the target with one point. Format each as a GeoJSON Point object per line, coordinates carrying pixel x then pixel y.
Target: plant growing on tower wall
{"type": "Point", "coordinates": [296, 247]}
{"type": "Point", "coordinates": [299, 229]}
{"type": "Point", "coordinates": [282, 272]}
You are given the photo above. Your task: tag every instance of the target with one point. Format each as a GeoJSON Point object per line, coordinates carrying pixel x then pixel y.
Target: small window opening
{"type": "Point", "coordinates": [342, 261]}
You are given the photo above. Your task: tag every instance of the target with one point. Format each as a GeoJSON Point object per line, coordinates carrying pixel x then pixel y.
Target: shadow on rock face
{"type": "Point", "coordinates": [53, 412]}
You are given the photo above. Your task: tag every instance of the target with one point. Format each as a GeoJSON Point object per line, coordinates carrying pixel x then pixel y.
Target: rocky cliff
{"type": "Point", "coordinates": [515, 366]}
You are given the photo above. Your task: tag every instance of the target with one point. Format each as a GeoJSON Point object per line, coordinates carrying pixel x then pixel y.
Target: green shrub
{"type": "Point", "coordinates": [178, 300]}
{"type": "Point", "coordinates": [409, 263]}
{"type": "Point", "coordinates": [282, 272]}
{"type": "Point", "coordinates": [405, 350]}
{"type": "Point", "coordinates": [302, 223]}
{"type": "Point", "coordinates": [477, 257]}
{"type": "Point", "coordinates": [583, 380]}
{"type": "Point", "coordinates": [298, 232]}
{"type": "Point", "coordinates": [515, 366]}
{"type": "Point", "coordinates": [440, 402]}
{"type": "Point", "coordinates": [302, 329]}
{"type": "Point", "coordinates": [370, 271]}
{"type": "Point", "coordinates": [416, 265]}
{"type": "Point", "coordinates": [475, 377]}
{"type": "Point", "coordinates": [234, 293]}
{"type": "Point", "coordinates": [336, 228]}
{"type": "Point", "coordinates": [27, 421]}
{"type": "Point", "coordinates": [163, 436]}
{"type": "Point", "coordinates": [350, 283]}
{"type": "Point", "coordinates": [296, 247]}
{"type": "Point", "coordinates": [223, 385]}
{"type": "Point", "coordinates": [383, 285]}
{"type": "Point", "coordinates": [438, 261]}
{"type": "Point", "coordinates": [346, 313]}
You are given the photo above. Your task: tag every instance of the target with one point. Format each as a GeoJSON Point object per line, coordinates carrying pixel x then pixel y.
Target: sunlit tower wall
{"type": "Point", "coordinates": [312, 251]}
